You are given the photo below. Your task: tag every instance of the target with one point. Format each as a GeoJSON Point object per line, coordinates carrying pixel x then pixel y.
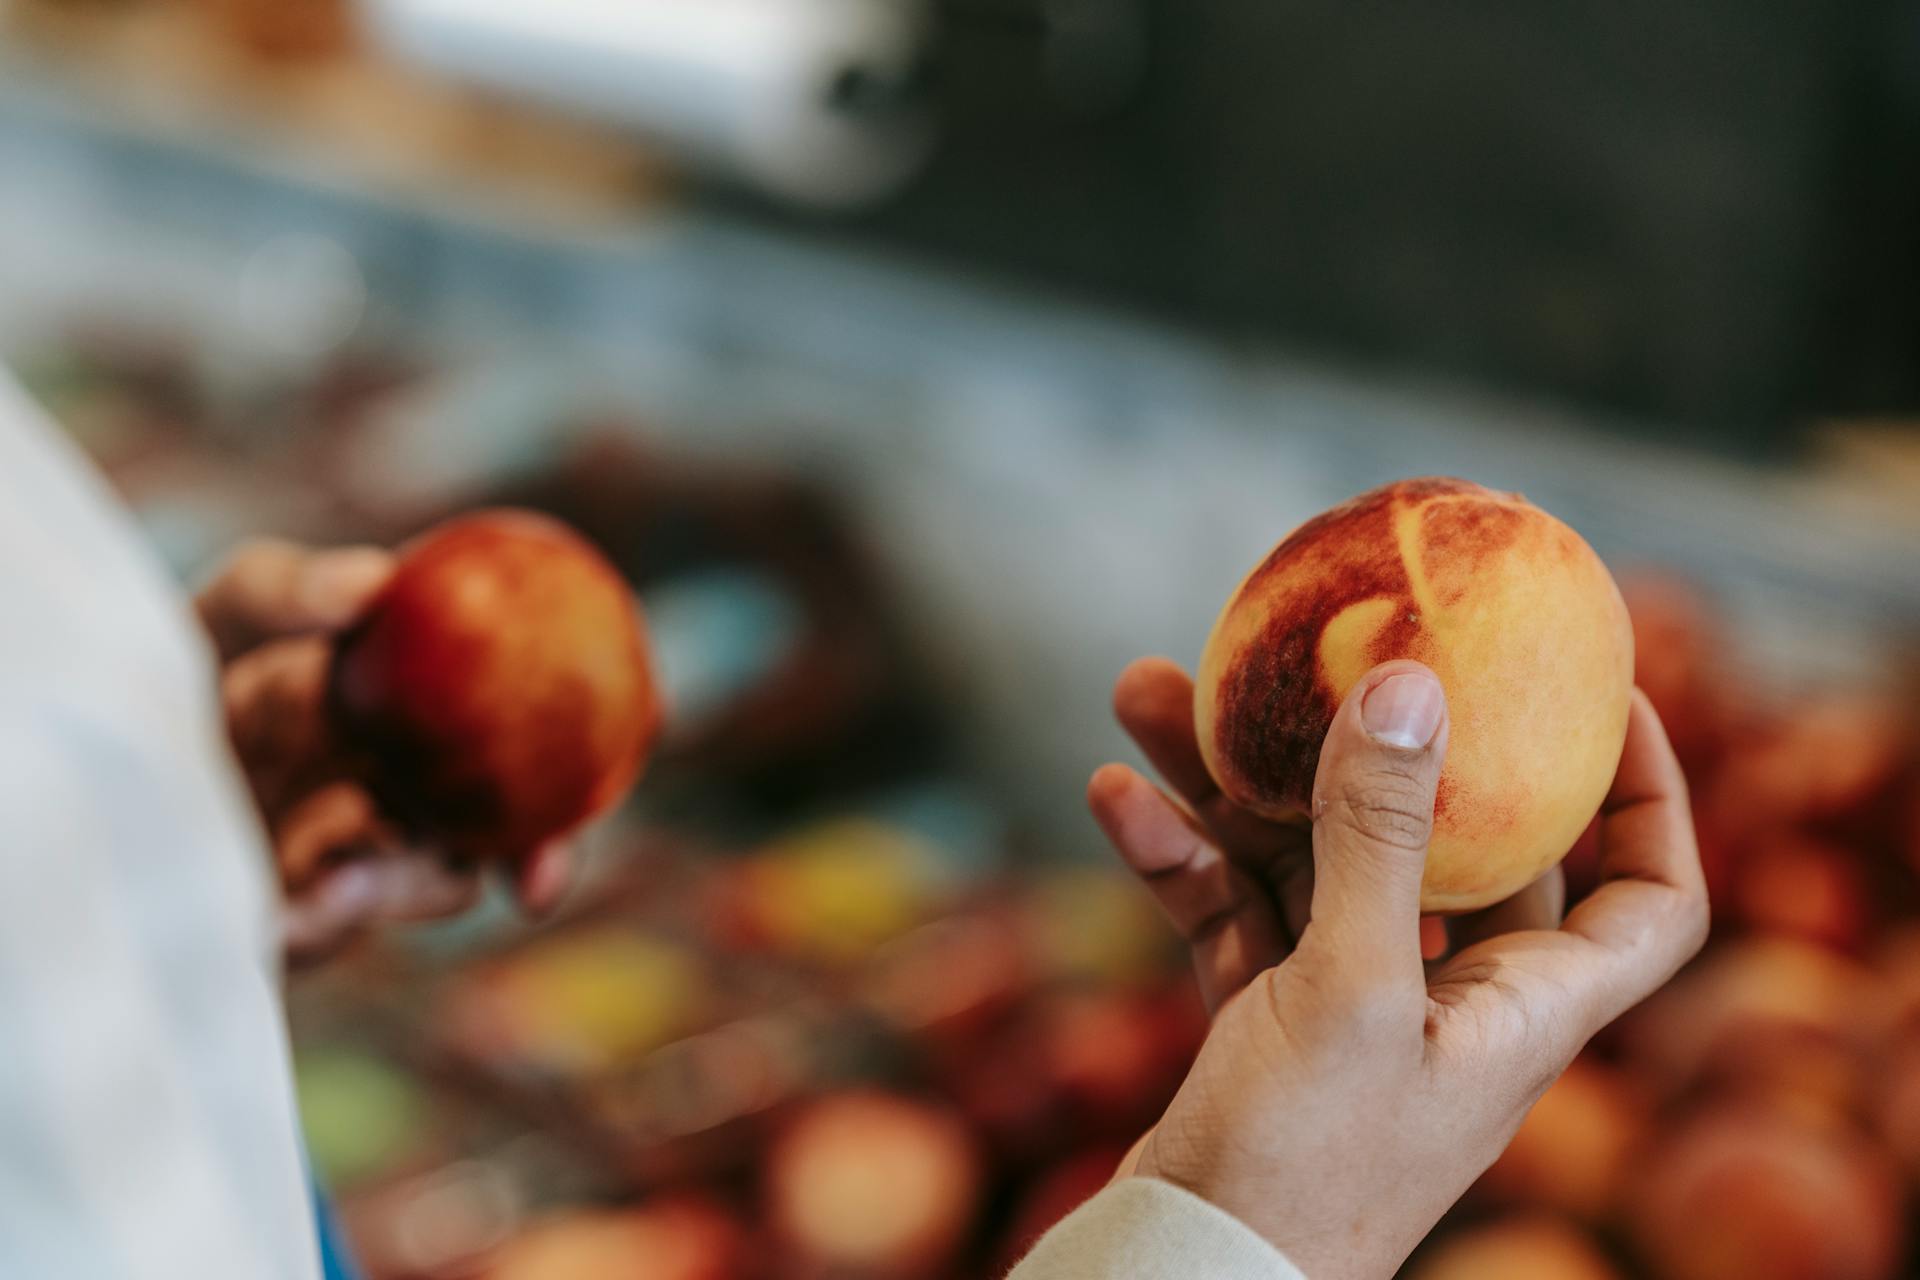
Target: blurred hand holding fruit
{"type": "Point", "coordinates": [499, 685]}
{"type": "Point", "coordinates": [403, 720]}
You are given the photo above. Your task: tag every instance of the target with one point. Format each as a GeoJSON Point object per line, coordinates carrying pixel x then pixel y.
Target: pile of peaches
{"type": "Point", "coordinates": [1759, 1118]}
{"type": "Point", "coordinates": [803, 1060]}
{"type": "Point", "coordinates": [818, 1060]}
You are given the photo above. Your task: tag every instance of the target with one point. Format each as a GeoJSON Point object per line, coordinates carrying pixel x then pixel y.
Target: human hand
{"type": "Point", "coordinates": [1348, 1094]}
{"type": "Point", "coordinates": [273, 611]}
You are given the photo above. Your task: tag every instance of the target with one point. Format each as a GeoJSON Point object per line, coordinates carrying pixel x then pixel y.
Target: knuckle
{"type": "Point", "coordinates": [1387, 807]}
{"type": "Point", "coordinates": [1695, 919]}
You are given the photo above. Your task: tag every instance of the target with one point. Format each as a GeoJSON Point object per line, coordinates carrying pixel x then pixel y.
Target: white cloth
{"type": "Point", "coordinates": [1145, 1229]}
{"type": "Point", "coordinates": [147, 1125]}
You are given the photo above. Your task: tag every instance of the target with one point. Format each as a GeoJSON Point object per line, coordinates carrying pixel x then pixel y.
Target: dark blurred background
{"type": "Point", "coordinates": [921, 364]}
{"type": "Point", "coordinates": [1702, 212]}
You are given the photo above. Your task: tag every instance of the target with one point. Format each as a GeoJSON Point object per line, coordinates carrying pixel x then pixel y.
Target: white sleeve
{"type": "Point", "coordinates": [1145, 1229]}
{"type": "Point", "coordinates": [147, 1127]}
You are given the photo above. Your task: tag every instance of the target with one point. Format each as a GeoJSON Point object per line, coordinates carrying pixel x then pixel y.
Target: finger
{"type": "Point", "coordinates": [541, 878]}
{"type": "Point", "coordinates": [420, 886]}
{"type": "Point", "coordinates": [317, 924]}
{"type": "Point", "coordinates": [322, 828]}
{"type": "Point", "coordinates": [1192, 882]}
{"type": "Point", "coordinates": [1649, 915]}
{"type": "Point", "coordinates": [1231, 924]}
{"type": "Point", "coordinates": [271, 588]}
{"type": "Point", "coordinates": [1372, 818]}
{"type": "Point", "coordinates": [1538, 906]}
{"type": "Point", "coordinates": [1153, 700]}
{"type": "Point", "coordinates": [275, 699]}
{"type": "Point", "coordinates": [340, 904]}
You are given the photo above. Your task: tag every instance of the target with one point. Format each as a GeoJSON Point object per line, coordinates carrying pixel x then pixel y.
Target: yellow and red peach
{"type": "Point", "coordinates": [499, 685]}
{"type": "Point", "coordinates": [1512, 611]}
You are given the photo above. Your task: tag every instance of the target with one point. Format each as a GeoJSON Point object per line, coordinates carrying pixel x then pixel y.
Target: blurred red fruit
{"type": "Point", "coordinates": [1830, 761]}
{"type": "Point", "coordinates": [1745, 1193]}
{"type": "Point", "coordinates": [1526, 1248]}
{"type": "Point", "coordinates": [1678, 657]}
{"type": "Point", "coordinates": [1116, 1059]}
{"type": "Point", "coordinates": [679, 1238]}
{"type": "Point", "coordinates": [870, 1184]}
{"type": "Point", "coordinates": [1581, 866]}
{"type": "Point", "coordinates": [1055, 1194]}
{"type": "Point", "coordinates": [1076, 1066]}
{"type": "Point", "coordinates": [1803, 887]}
{"type": "Point", "coordinates": [1896, 1101]}
{"type": "Point", "coordinates": [500, 684]}
{"type": "Point", "coordinates": [947, 980]}
{"type": "Point", "coordinates": [1814, 1074]}
{"type": "Point", "coordinates": [1572, 1150]}
{"type": "Point", "coordinates": [1909, 815]}
{"type": "Point", "coordinates": [1742, 995]}
{"type": "Point", "coordinates": [1896, 960]}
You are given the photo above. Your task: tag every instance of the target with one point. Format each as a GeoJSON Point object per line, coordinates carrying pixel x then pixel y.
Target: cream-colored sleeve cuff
{"type": "Point", "coordinates": [1146, 1229]}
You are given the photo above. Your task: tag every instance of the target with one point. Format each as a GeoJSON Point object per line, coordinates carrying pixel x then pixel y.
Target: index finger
{"type": "Point", "coordinates": [272, 588]}
{"type": "Point", "coordinates": [1649, 915]}
{"type": "Point", "coordinates": [1153, 700]}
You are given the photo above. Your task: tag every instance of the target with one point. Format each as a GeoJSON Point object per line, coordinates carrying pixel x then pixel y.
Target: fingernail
{"type": "Point", "coordinates": [1403, 710]}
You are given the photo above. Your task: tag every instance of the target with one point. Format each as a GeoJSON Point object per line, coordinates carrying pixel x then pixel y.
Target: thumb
{"type": "Point", "coordinates": [1373, 815]}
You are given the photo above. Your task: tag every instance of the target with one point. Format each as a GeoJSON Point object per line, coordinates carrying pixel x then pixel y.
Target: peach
{"type": "Point", "coordinates": [684, 1237]}
{"type": "Point", "coordinates": [1896, 959]}
{"type": "Point", "coordinates": [1895, 1103]}
{"type": "Point", "coordinates": [1508, 606]}
{"type": "Point", "coordinates": [1909, 820]}
{"type": "Point", "coordinates": [947, 981]}
{"type": "Point", "coordinates": [1573, 1149]}
{"type": "Point", "coordinates": [499, 686]}
{"type": "Point", "coordinates": [1758, 991]}
{"type": "Point", "coordinates": [1075, 1063]}
{"type": "Point", "coordinates": [1805, 887]}
{"type": "Point", "coordinates": [1830, 760]}
{"type": "Point", "coordinates": [1526, 1248]}
{"type": "Point", "coordinates": [1744, 1193]}
{"type": "Point", "coordinates": [872, 1184]}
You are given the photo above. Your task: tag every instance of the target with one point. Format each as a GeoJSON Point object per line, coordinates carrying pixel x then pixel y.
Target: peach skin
{"type": "Point", "coordinates": [1508, 606]}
